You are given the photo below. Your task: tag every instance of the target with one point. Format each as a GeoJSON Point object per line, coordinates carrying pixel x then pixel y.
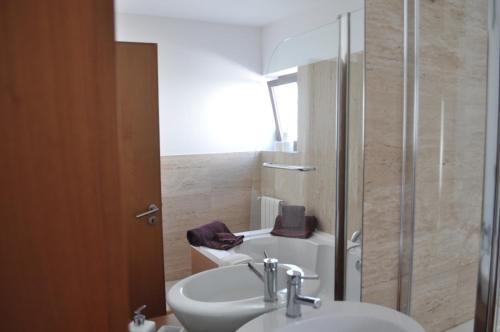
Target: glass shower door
{"type": "Point", "coordinates": [452, 80]}
{"type": "Point", "coordinates": [451, 145]}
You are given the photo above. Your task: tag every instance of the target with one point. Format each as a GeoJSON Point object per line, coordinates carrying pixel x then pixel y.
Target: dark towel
{"type": "Point", "coordinates": [228, 238]}
{"type": "Point", "coordinates": [214, 235]}
{"type": "Point", "coordinates": [293, 216]}
{"type": "Point", "coordinates": [303, 231]}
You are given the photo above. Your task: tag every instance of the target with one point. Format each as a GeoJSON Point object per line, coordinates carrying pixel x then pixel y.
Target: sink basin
{"type": "Point", "coordinates": [336, 317]}
{"type": "Point", "coordinates": [225, 298]}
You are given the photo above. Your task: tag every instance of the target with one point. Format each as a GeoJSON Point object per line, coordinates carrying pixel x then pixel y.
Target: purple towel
{"type": "Point", "coordinates": [214, 235]}
{"type": "Point", "coordinates": [293, 216]}
{"type": "Point", "coordinates": [304, 231]}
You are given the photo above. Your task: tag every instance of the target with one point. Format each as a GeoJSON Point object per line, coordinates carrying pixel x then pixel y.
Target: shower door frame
{"type": "Point", "coordinates": [486, 315]}
{"type": "Point", "coordinates": [342, 155]}
{"type": "Point", "coordinates": [409, 137]}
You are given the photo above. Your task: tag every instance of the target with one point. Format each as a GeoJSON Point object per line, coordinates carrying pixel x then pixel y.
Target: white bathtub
{"type": "Point", "coordinates": [315, 255]}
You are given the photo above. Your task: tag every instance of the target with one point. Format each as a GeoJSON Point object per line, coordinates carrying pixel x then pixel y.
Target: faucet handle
{"type": "Point", "coordinates": [314, 277]}
{"type": "Point", "coordinates": [139, 310]}
{"type": "Point", "coordinates": [254, 270]}
{"type": "Point", "coordinates": [294, 276]}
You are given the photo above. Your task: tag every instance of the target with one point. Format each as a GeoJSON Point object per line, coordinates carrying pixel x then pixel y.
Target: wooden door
{"type": "Point", "coordinates": [138, 127]}
{"type": "Point", "coordinates": [62, 257]}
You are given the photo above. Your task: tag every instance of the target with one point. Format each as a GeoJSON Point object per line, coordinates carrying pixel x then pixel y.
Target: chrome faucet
{"type": "Point", "coordinates": [270, 278]}
{"type": "Point", "coordinates": [294, 299]}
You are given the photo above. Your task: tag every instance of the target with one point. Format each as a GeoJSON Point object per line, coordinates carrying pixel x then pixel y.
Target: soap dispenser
{"type": "Point", "coordinates": [139, 322]}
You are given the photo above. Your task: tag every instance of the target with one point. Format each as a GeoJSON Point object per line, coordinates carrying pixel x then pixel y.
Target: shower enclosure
{"type": "Point", "coordinates": [449, 199]}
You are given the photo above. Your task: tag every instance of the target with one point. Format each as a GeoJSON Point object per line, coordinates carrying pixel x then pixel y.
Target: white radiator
{"type": "Point", "coordinates": [269, 210]}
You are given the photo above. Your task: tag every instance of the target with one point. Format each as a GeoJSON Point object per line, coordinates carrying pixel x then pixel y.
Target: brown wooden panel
{"type": "Point", "coordinates": [200, 263]}
{"type": "Point", "coordinates": [62, 257]}
{"type": "Point", "coordinates": [137, 83]}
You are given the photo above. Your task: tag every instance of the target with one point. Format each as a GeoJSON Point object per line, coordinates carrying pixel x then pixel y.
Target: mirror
{"type": "Point", "coordinates": [247, 114]}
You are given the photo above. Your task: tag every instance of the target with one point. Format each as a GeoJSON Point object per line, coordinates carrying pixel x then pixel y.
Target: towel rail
{"type": "Point", "coordinates": [300, 168]}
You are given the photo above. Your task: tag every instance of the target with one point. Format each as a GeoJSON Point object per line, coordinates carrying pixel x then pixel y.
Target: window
{"type": "Point", "coordinates": [284, 98]}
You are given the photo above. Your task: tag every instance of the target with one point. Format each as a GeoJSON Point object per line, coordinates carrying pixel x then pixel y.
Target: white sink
{"type": "Point", "coordinates": [336, 317]}
{"type": "Point", "coordinates": [225, 298]}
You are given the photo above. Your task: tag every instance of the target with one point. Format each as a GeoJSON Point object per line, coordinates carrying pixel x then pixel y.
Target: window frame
{"type": "Point", "coordinates": [281, 80]}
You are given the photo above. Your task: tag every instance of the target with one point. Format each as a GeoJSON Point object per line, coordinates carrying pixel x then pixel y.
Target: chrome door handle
{"type": "Point", "coordinates": [152, 209]}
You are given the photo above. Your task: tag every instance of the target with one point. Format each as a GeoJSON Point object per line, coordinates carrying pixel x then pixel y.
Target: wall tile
{"type": "Point", "coordinates": [197, 189]}
{"type": "Point", "coordinates": [383, 127]}
{"type": "Point", "coordinates": [433, 301]}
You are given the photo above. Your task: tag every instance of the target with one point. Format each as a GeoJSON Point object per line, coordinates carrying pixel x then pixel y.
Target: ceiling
{"type": "Point", "coordinates": [240, 12]}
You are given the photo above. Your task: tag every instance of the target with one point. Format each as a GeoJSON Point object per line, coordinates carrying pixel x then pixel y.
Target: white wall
{"type": "Point", "coordinates": [213, 98]}
{"type": "Point", "coordinates": [315, 47]}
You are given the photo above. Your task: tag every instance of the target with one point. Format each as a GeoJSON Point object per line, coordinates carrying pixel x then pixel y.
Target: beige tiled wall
{"type": "Point", "coordinates": [449, 173]}
{"type": "Point", "coordinates": [383, 126]}
{"type": "Point", "coordinates": [316, 147]}
{"type": "Point", "coordinates": [197, 189]}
